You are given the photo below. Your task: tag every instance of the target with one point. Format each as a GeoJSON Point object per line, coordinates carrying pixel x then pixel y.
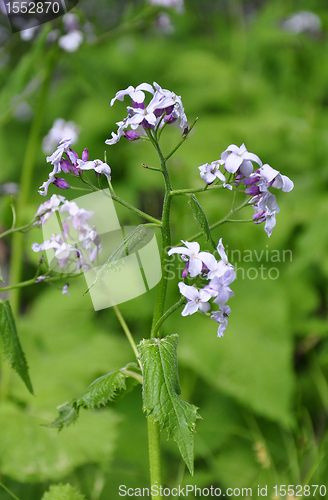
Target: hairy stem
{"type": "Point", "coordinates": [154, 456]}
{"type": "Point", "coordinates": [166, 244]}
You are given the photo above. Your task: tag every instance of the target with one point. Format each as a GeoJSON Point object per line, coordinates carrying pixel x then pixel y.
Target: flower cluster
{"type": "Point", "coordinates": [70, 164]}
{"type": "Point", "coordinates": [164, 107]}
{"type": "Point", "coordinates": [78, 244]}
{"type": "Point", "coordinates": [220, 274]}
{"type": "Point", "coordinates": [238, 162]}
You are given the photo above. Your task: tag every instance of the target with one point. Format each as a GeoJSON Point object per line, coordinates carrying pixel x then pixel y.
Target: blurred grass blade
{"type": "Point", "coordinates": [161, 394]}
{"type": "Point", "coordinates": [12, 349]}
{"type": "Point", "coordinates": [22, 80]}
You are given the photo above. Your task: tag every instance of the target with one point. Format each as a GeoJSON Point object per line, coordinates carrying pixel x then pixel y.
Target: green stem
{"type": "Point", "coordinates": [177, 192]}
{"type": "Point", "coordinates": [122, 202]}
{"type": "Point", "coordinates": [14, 229]}
{"type": "Point", "coordinates": [154, 456]}
{"type": "Point", "coordinates": [153, 427]}
{"type": "Point", "coordinates": [168, 313]}
{"type": "Point", "coordinates": [126, 331]}
{"type": "Point", "coordinates": [136, 210]}
{"type": "Point", "coordinates": [16, 263]}
{"type": "Point", "coordinates": [122, 323]}
{"type": "Point", "coordinates": [8, 491]}
{"type": "Point", "coordinates": [182, 141]}
{"type": "Point", "coordinates": [166, 244]}
{"type": "Point", "coordinates": [32, 281]}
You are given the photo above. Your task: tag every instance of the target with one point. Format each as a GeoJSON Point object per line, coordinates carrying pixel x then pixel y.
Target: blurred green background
{"type": "Point", "coordinates": [262, 389]}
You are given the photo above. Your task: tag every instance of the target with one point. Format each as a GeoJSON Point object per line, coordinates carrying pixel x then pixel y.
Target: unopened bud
{"type": "Point", "coordinates": [61, 183]}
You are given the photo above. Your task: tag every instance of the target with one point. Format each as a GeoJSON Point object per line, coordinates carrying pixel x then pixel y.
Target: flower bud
{"type": "Point", "coordinates": [259, 217]}
{"type": "Point", "coordinates": [252, 190]}
{"type": "Point", "coordinates": [65, 166]}
{"type": "Point", "coordinates": [61, 183]}
{"type": "Point", "coordinates": [85, 154]}
{"type": "Point", "coordinates": [131, 135]}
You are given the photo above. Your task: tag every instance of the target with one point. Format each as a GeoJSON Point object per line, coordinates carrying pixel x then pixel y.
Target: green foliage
{"type": "Point", "coordinates": [106, 389]}
{"type": "Point", "coordinates": [17, 87]}
{"type": "Point", "coordinates": [31, 452]}
{"type": "Point", "coordinates": [63, 492]}
{"type": "Point", "coordinates": [161, 391]}
{"type": "Point", "coordinates": [265, 382]}
{"type": "Point", "coordinates": [12, 349]}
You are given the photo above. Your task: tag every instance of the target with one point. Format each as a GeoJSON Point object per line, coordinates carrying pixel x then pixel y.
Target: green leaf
{"type": "Point", "coordinates": [200, 217]}
{"type": "Point", "coordinates": [33, 453]}
{"type": "Point", "coordinates": [12, 350]}
{"type": "Point", "coordinates": [63, 492]}
{"type": "Point", "coordinates": [161, 394]}
{"type": "Point", "coordinates": [122, 250]}
{"type": "Point", "coordinates": [106, 389]}
{"type": "Point", "coordinates": [1, 278]}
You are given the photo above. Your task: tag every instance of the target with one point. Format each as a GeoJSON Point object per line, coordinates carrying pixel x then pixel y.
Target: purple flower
{"type": "Point", "coordinates": [196, 258]}
{"type": "Point", "coordinates": [65, 290]}
{"type": "Point", "coordinates": [219, 268]}
{"type": "Point", "coordinates": [209, 172]}
{"type": "Point", "coordinates": [137, 95]}
{"type": "Point", "coordinates": [163, 102]}
{"type": "Point", "coordinates": [221, 286]}
{"type": "Point", "coordinates": [221, 317]}
{"type": "Point", "coordinates": [197, 299]}
{"type": "Point", "coordinates": [79, 243]}
{"type": "Point", "coordinates": [165, 99]}
{"type": "Point", "coordinates": [271, 177]}
{"type": "Point", "coordinates": [55, 160]}
{"type": "Point", "coordinates": [236, 158]}
{"type": "Point", "coordinates": [265, 210]}
{"type": "Point", "coordinates": [97, 165]}
{"type": "Point", "coordinates": [47, 208]}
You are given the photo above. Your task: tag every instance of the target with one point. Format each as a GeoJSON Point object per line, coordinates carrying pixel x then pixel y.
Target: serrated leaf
{"type": "Point", "coordinates": [200, 217]}
{"type": "Point", "coordinates": [63, 492]}
{"type": "Point", "coordinates": [106, 389]}
{"type": "Point", "coordinates": [122, 250]}
{"type": "Point", "coordinates": [12, 349]}
{"type": "Point", "coordinates": [161, 394]}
